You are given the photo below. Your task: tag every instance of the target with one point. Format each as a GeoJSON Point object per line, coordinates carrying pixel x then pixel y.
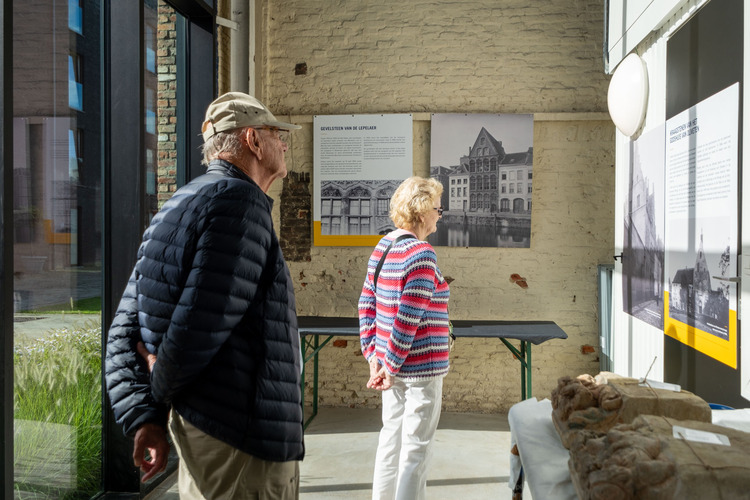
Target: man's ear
{"type": "Point", "coordinates": [252, 138]}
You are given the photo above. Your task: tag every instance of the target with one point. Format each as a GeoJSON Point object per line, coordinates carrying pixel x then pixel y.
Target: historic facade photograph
{"type": "Point", "coordinates": [485, 163]}
{"type": "Point", "coordinates": [356, 207]}
{"type": "Point", "coordinates": [643, 239]}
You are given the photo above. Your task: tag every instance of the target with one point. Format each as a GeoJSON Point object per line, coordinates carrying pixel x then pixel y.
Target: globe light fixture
{"type": "Point", "coordinates": [627, 97]}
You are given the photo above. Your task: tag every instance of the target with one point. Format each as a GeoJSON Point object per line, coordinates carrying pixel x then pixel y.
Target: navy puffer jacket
{"type": "Point", "coordinates": [212, 296]}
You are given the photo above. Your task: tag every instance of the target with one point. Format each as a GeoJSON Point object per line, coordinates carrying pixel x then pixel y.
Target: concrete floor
{"type": "Point", "coordinates": [470, 460]}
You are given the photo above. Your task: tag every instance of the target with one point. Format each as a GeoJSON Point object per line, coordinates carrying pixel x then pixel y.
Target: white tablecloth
{"type": "Point", "coordinates": [736, 419]}
{"type": "Point", "coordinates": [544, 458]}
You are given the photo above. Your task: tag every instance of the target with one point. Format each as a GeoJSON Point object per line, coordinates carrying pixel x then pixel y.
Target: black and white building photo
{"type": "Point", "coordinates": [485, 163]}
{"type": "Point", "coordinates": [354, 207]}
{"type": "Point", "coordinates": [643, 237]}
{"type": "Point", "coordinates": [697, 294]}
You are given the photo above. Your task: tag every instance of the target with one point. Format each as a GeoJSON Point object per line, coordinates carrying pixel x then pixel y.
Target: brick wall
{"type": "Point", "coordinates": [167, 91]}
{"type": "Point", "coordinates": [296, 216]}
{"type": "Point", "coordinates": [166, 103]}
{"type": "Point", "coordinates": [223, 45]}
{"type": "Point", "coordinates": [510, 56]}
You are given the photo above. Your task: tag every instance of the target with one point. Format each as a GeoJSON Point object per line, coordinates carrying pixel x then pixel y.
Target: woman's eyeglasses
{"type": "Point", "coordinates": [439, 211]}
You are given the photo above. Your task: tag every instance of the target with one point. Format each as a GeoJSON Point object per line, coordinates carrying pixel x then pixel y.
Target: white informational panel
{"type": "Point", "coordinates": [745, 260]}
{"type": "Point", "coordinates": [359, 161]}
{"type": "Point", "coordinates": [701, 243]}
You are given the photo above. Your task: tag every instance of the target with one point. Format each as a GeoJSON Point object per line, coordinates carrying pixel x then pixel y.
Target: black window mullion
{"type": "Point", "coordinates": [201, 81]}
{"type": "Point", "coordinates": [123, 176]}
{"type": "Point", "coordinates": [183, 143]}
{"type": "Point", "coordinates": [122, 204]}
{"type": "Point", "coordinates": [6, 249]}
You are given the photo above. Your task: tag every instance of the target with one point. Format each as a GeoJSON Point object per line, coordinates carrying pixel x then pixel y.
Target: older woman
{"type": "Point", "coordinates": [403, 318]}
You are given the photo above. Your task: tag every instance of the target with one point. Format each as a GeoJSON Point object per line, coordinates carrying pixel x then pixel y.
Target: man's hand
{"type": "Point", "coordinates": [151, 438]}
{"type": "Point", "coordinates": [150, 358]}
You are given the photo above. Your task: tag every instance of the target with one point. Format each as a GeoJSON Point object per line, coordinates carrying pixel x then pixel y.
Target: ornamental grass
{"type": "Point", "coordinates": [57, 411]}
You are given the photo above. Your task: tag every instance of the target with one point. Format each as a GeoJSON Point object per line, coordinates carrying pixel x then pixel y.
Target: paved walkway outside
{"type": "Point", "coordinates": [27, 327]}
{"type": "Point", "coordinates": [36, 291]}
{"type": "Point", "coordinates": [50, 288]}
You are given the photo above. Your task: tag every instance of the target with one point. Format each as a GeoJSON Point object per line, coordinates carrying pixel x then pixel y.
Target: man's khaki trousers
{"type": "Point", "coordinates": [213, 470]}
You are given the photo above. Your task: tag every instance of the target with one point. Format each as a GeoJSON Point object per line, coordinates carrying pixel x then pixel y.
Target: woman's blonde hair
{"type": "Point", "coordinates": [413, 199]}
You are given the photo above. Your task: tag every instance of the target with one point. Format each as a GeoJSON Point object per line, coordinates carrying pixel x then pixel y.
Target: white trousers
{"type": "Point", "coordinates": [411, 411]}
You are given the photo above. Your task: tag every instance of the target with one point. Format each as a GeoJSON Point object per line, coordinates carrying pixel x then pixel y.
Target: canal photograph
{"type": "Point", "coordinates": [485, 164]}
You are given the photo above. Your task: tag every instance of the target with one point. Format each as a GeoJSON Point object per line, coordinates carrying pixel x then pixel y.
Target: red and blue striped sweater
{"type": "Point", "coordinates": [406, 323]}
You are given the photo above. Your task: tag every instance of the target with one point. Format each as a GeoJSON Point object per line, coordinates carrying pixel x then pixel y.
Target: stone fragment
{"type": "Point", "coordinates": [644, 460]}
{"type": "Point", "coordinates": [599, 403]}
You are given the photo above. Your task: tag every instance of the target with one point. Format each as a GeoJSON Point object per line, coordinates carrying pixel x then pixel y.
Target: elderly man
{"type": "Point", "coordinates": [209, 311]}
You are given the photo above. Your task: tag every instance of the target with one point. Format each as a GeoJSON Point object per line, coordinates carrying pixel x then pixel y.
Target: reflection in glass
{"type": "Point", "coordinates": [160, 91]}
{"type": "Point", "coordinates": [75, 16]}
{"type": "Point", "coordinates": [57, 249]}
{"type": "Point", "coordinates": [150, 44]}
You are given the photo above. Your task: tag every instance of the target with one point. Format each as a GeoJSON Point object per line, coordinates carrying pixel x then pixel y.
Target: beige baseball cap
{"type": "Point", "coordinates": [237, 110]}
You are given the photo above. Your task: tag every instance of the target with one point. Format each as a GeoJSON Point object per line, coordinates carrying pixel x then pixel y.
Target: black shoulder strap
{"type": "Point", "coordinates": [382, 259]}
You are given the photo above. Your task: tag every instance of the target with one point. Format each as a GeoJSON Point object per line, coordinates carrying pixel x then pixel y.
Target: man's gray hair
{"type": "Point", "coordinates": [229, 142]}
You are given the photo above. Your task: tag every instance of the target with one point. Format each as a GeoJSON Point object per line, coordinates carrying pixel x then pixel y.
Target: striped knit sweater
{"type": "Point", "coordinates": [405, 324]}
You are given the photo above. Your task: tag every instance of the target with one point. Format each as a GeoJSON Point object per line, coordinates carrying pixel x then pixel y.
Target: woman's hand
{"type": "Point", "coordinates": [386, 380]}
{"type": "Point", "coordinates": [374, 377]}
{"type": "Point", "coordinates": [380, 379]}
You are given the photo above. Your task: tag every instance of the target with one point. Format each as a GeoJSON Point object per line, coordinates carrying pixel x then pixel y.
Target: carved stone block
{"type": "Point", "coordinates": [644, 460]}
{"type": "Point", "coordinates": [599, 403]}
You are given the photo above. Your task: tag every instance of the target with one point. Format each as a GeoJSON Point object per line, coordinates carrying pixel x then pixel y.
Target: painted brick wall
{"type": "Point", "coordinates": [571, 234]}
{"type": "Point", "coordinates": [469, 56]}
{"type": "Point", "coordinates": [509, 56]}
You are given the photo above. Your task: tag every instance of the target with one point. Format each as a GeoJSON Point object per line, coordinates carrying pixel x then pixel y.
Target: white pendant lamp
{"type": "Point", "coordinates": [627, 97]}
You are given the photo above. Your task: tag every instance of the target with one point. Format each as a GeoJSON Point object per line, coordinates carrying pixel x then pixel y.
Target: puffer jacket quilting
{"type": "Point", "coordinates": [212, 296]}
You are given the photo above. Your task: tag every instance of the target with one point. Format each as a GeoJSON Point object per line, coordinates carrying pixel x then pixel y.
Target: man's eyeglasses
{"type": "Point", "coordinates": [282, 133]}
{"type": "Point", "coordinates": [439, 211]}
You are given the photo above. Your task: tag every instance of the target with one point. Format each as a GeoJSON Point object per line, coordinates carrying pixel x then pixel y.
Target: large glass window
{"type": "Point", "coordinates": [57, 277]}
{"type": "Point", "coordinates": [71, 251]}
